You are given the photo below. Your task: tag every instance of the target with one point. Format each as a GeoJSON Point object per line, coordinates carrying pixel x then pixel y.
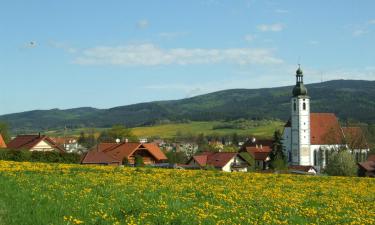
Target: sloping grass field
{"type": "Point", "coordinates": [37, 193]}
{"type": "Point", "coordinates": [195, 128]}
{"type": "Point", "coordinates": [192, 128]}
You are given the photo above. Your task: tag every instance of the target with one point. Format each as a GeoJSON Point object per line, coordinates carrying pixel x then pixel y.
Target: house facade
{"type": "Point", "coordinates": [308, 137]}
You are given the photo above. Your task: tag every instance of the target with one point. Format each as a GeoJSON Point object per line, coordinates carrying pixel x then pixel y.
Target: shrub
{"type": "Point", "coordinates": [139, 161]}
{"type": "Point", "coordinates": [341, 163]}
{"type": "Point", "coordinates": [26, 155]}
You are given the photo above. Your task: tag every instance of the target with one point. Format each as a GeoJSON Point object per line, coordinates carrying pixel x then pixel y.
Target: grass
{"type": "Point", "coordinates": [192, 128]}
{"type": "Point", "coordinates": [38, 193]}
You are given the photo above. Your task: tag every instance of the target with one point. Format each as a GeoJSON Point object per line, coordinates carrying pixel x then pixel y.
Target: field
{"type": "Point", "coordinates": [195, 128]}
{"type": "Point", "coordinates": [191, 128]}
{"type": "Point", "coordinates": [37, 193]}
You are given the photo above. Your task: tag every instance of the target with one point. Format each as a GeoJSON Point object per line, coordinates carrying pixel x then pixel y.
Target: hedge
{"type": "Point", "coordinates": [34, 156]}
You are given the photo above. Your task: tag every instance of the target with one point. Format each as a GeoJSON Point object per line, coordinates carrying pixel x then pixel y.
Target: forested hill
{"type": "Point", "coordinates": [349, 99]}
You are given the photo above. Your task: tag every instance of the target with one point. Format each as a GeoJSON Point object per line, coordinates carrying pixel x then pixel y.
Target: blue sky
{"type": "Point", "coordinates": [66, 54]}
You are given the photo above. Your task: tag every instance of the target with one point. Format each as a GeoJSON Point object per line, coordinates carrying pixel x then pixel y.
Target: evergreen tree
{"type": "Point", "coordinates": [235, 140]}
{"type": "Point", "coordinates": [277, 154]}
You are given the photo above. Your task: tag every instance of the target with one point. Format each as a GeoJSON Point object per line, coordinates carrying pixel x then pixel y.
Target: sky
{"type": "Point", "coordinates": [68, 54]}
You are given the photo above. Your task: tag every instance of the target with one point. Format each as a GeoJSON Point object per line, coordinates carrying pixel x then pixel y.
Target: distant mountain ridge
{"type": "Point", "coordinates": [348, 99]}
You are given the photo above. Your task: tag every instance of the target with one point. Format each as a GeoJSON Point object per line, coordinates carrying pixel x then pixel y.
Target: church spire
{"type": "Point", "coordinates": [300, 88]}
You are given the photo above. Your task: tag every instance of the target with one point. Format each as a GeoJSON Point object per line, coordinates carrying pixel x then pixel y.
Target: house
{"type": "Point", "coordinates": [303, 170]}
{"type": "Point", "coordinates": [225, 161]}
{"type": "Point", "coordinates": [40, 143]}
{"type": "Point", "coordinates": [2, 142]}
{"type": "Point", "coordinates": [70, 144]}
{"type": "Point", "coordinates": [308, 137]}
{"type": "Point", "coordinates": [119, 153]}
{"type": "Point", "coordinates": [260, 151]}
{"type": "Point", "coordinates": [367, 169]}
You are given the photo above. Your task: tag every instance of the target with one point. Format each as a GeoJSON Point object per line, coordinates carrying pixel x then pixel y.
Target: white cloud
{"type": "Point", "coordinates": [281, 11]}
{"type": "Point", "coordinates": [276, 27]}
{"type": "Point", "coordinates": [313, 42]}
{"type": "Point", "coordinates": [172, 35]}
{"type": "Point", "coordinates": [143, 24]}
{"type": "Point", "coordinates": [249, 37]}
{"type": "Point", "coordinates": [359, 32]}
{"type": "Point", "coordinates": [61, 45]}
{"type": "Point", "coordinates": [371, 21]}
{"type": "Point", "coordinates": [151, 55]}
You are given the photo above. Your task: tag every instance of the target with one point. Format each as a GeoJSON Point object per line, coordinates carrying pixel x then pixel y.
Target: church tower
{"type": "Point", "coordinates": [300, 123]}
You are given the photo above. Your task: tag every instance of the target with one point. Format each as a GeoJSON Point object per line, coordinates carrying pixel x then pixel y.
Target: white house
{"type": "Point", "coordinates": [225, 161]}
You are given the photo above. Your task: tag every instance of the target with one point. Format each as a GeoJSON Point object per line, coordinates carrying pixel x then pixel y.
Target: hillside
{"type": "Point", "coordinates": [349, 99]}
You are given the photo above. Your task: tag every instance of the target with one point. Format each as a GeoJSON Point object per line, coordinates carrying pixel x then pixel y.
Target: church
{"type": "Point", "coordinates": [308, 137]}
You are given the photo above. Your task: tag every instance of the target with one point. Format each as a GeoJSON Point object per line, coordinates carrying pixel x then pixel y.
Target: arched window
{"type": "Point", "coordinates": [295, 106]}
{"type": "Point", "coordinates": [304, 106]}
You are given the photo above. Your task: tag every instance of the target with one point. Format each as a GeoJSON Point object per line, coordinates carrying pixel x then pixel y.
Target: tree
{"type": "Point", "coordinates": [278, 163]}
{"type": "Point", "coordinates": [82, 138]}
{"type": "Point", "coordinates": [277, 152]}
{"type": "Point", "coordinates": [176, 157]}
{"type": "Point", "coordinates": [4, 131]}
{"type": "Point", "coordinates": [121, 132]}
{"type": "Point", "coordinates": [341, 163]}
{"type": "Point", "coordinates": [235, 140]}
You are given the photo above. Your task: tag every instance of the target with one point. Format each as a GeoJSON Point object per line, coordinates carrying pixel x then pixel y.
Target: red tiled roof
{"type": "Point", "coordinates": [216, 159]}
{"type": "Point", "coordinates": [200, 159]}
{"type": "Point", "coordinates": [302, 168]}
{"type": "Point", "coordinates": [98, 157]}
{"type": "Point", "coordinates": [368, 166]}
{"type": "Point", "coordinates": [2, 142]}
{"type": "Point", "coordinates": [29, 141]}
{"type": "Point", "coordinates": [155, 151]}
{"type": "Point", "coordinates": [325, 129]}
{"type": "Point", "coordinates": [371, 158]}
{"type": "Point", "coordinates": [259, 152]}
{"type": "Point", "coordinates": [62, 140]}
{"type": "Point", "coordinates": [119, 151]}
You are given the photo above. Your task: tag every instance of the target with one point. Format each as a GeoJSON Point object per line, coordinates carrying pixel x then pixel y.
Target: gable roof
{"type": "Point", "coordinates": [368, 166]}
{"type": "Point", "coordinates": [95, 157]}
{"type": "Point", "coordinates": [2, 142]}
{"type": "Point", "coordinates": [302, 168]}
{"type": "Point", "coordinates": [116, 152]}
{"type": "Point", "coordinates": [325, 129]}
{"type": "Point", "coordinates": [371, 158]}
{"type": "Point", "coordinates": [29, 141]}
{"type": "Point", "coordinates": [216, 159]}
{"type": "Point", "coordinates": [259, 152]}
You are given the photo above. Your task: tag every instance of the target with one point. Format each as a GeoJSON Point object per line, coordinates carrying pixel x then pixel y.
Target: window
{"type": "Point", "coordinates": [304, 106]}
{"type": "Point", "coordinates": [295, 106]}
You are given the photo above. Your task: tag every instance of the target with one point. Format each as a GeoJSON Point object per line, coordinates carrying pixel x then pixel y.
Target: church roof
{"type": "Point", "coordinates": [325, 129]}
